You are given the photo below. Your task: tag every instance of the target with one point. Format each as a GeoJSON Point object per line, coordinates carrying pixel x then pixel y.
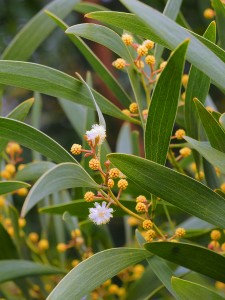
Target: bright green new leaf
{"type": "Point", "coordinates": [220, 20]}
{"type": "Point", "coordinates": [162, 30]}
{"type": "Point", "coordinates": [215, 133]}
{"type": "Point", "coordinates": [163, 108]}
{"type": "Point", "coordinates": [19, 113]}
{"type": "Point", "coordinates": [180, 190]}
{"type": "Point", "coordinates": [36, 31]}
{"type": "Point", "coordinates": [54, 83]}
{"type": "Point", "coordinates": [192, 257]}
{"type": "Point", "coordinates": [214, 156]}
{"type": "Point", "coordinates": [11, 186]}
{"type": "Point", "coordinates": [33, 139]}
{"type": "Point", "coordinates": [60, 177]}
{"type": "Point", "coordinates": [82, 279]}
{"type": "Point", "coordinates": [187, 290]}
{"type": "Point", "coordinates": [80, 208]}
{"type": "Point", "coordinates": [34, 170]}
{"type": "Point", "coordinates": [12, 269]}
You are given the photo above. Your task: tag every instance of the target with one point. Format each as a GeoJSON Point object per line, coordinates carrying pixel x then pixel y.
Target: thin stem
{"type": "Point", "coordinates": [158, 231]}
{"type": "Point", "coordinates": [174, 162]}
{"type": "Point", "coordinates": [168, 216]}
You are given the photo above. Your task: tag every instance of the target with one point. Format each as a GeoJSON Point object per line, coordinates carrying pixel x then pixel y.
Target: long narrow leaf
{"type": "Point", "coordinates": [11, 186]}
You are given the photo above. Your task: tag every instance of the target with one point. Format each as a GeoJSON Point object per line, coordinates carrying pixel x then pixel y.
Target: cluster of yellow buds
{"type": "Point", "coordinates": [214, 244]}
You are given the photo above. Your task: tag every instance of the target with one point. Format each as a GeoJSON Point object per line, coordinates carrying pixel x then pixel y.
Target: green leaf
{"type": "Point", "coordinates": [11, 186]}
{"type": "Point", "coordinates": [163, 108]}
{"type": "Point", "coordinates": [187, 290]}
{"type": "Point", "coordinates": [80, 208]}
{"type": "Point", "coordinates": [102, 35]}
{"type": "Point", "coordinates": [19, 113]}
{"type": "Point", "coordinates": [60, 177]}
{"type": "Point", "coordinates": [214, 131]}
{"type": "Point", "coordinates": [198, 87]}
{"type": "Point", "coordinates": [83, 277]}
{"type": "Point", "coordinates": [182, 254]}
{"type": "Point", "coordinates": [214, 156]}
{"type": "Point", "coordinates": [86, 7]}
{"type": "Point", "coordinates": [33, 139]}
{"type": "Point", "coordinates": [175, 188]}
{"type": "Point", "coordinates": [54, 83]}
{"type": "Point", "coordinates": [153, 25]}
{"type": "Point", "coordinates": [33, 170]}
{"type": "Point", "coordinates": [8, 249]}
{"type": "Point", "coordinates": [36, 31]}
{"type": "Point", "coordinates": [96, 63]}
{"type": "Point", "coordinates": [220, 20]}
{"type": "Point", "coordinates": [13, 269]}
{"type": "Point", "coordinates": [222, 120]}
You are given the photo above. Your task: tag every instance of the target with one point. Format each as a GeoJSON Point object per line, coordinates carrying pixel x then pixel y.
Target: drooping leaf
{"type": "Point", "coordinates": [214, 156]}
{"type": "Point", "coordinates": [220, 20]}
{"type": "Point", "coordinates": [182, 254]}
{"type": "Point", "coordinates": [11, 186]}
{"type": "Point", "coordinates": [60, 177]}
{"type": "Point", "coordinates": [189, 290]}
{"type": "Point", "coordinates": [34, 139]}
{"type": "Point", "coordinates": [34, 170]}
{"type": "Point", "coordinates": [215, 133]}
{"type": "Point", "coordinates": [175, 188]}
{"type": "Point", "coordinates": [36, 31]}
{"type": "Point", "coordinates": [152, 24]}
{"type": "Point", "coordinates": [54, 83]}
{"type": "Point", "coordinates": [163, 107]}
{"type": "Point", "coordinates": [83, 277]}
{"type": "Point", "coordinates": [13, 269]}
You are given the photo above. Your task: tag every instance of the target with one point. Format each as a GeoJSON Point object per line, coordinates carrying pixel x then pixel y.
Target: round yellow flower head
{"type": "Point", "coordinates": [180, 232]}
{"type": "Point", "coordinates": [10, 168]}
{"type": "Point", "coordinates": [150, 60]}
{"type": "Point", "coordinates": [22, 222]}
{"type": "Point", "coordinates": [214, 245]}
{"type": "Point", "coordinates": [209, 13]}
{"type": "Point", "coordinates": [127, 39]}
{"type": "Point", "coordinates": [140, 64]}
{"type": "Point", "coordinates": [219, 285]}
{"type": "Point", "coordinates": [200, 175]}
{"type": "Point", "coordinates": [148, 44]}
{"type": "Point", "coordinates": [223, 187]}
{"type": "Point", "coordinates": [76, 149]}
{"type": "Point", "coordinates": [223, 247]}
{"type": "Point", "coordinates": [122, 184]}
{"type": "Point", "coordinates": [121, 292]}
{"type": "Point", "coordinates": [132, 221]}
{"type": "Point", "coordinates": [163, 64]}
{"type": "Point", "coordinates": [22, 192]}
{"type": "Point", "coordinates": [119, 63]}
{"type": "Point", "coordinates": [185, 152]}
{"type": "Point", "coordinates": [147, 224]}
{"type": "Point", "coordinates": [185, 80]}
{"type": "Point", "coordinates": [126, 112]}
{"type": "Point", "coordinates": [193, 167]}
{"type": "Point", "coordinates": [107, 282]}
{"type": "Point", "coordinates": [110, 183]}
{"type": "Point", "coordinates": [43, 245]}
{"type": "Point", "coordinates": [138, 270]}
{"type": "Point", "coordinates": [6, 175]}
{"type": "Point", "coordinates": [89, 196]}
{"type": "Point", "coordinates": [133, 108]}
{"type": "Point", "coordinates": [75, 262]}
{"type": "Point", "coordinates": [2, 201]}
{"type": "Point", "coordinates": [76, 233]}
{"type": "Point", "coordinates": [94, 164]}
{"type": "Point", "coordinates": [140, 207]}
{"type": "Point", "coordinates": [150, 235]}
{"type": "Point", "coordinates": [215, 235]}
{"type": "Point", "coordinates": [13, 148]}
{"type": "Point", "coordinates": [61, 247]}
{"type": "Point", "coordinates": [142, 50]}
{"type": "Point", "coordinates": [33, 237]}
{"type": "Point", "coordinates": [10, 231]}
{"type": "Point", "coordinates": [179, 134]}
{"type": "Point", "coordinates": [113, 289]}
{"type": "Point", "coordinates": [141, 198]}
{"type": "Point", "coordinates": [114, 173]}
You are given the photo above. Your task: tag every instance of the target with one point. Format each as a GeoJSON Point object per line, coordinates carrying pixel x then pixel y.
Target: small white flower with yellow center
{"type": "Point", "coordinates": [96, 135]}
{"type": "Point", "coordinates": [101, 214]}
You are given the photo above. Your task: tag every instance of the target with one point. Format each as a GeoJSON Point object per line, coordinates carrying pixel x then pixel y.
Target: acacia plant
{"type": "Point", "coordinates": [165, 181]}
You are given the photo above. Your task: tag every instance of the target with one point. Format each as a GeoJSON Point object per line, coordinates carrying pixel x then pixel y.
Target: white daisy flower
{"type": "Point", "coordinates": [101, 214]}
{"type": "Point", "coordinates": [97, 134]}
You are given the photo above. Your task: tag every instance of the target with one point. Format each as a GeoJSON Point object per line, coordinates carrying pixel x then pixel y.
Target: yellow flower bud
{"type": "Point", "coordinates": [2, 201]}
{"type": "Point", "coordinates": [219, 285]}
{"type": "Point", "coordinates": [6, 175]}
{"type": "Point", "coordinates": [142, 50]}
{"type": "Point", "coordinates": [150, 234]}
{"type": "Point", "coordinates": [185, 80]}
{"type": "Point", "coordinates": [110, 183]}
{"type": "Point", "coordinates": [185, 152]}
{"type": "Point", "coordinates": [122, 184]}
{"type": "Point", "coordinates": [22, 222]}
{"type": "Point", "coordinates": [10, 168]}
{"type": "Point", "coordinates": [150, 60]}
{"type": "Point", "coordinates": [148, 44]}
{"type": "Point", "coordinates": [126, 112]}
{"type": "Point", "coordinates": [75, 262]}
{"type": "Point", "coordinates": [147, 224]}
{"type": "Point", "coordinates": [163, 64]}
{"type": "Point", "coordinates": [215, 235]}
{"type": "Point", "coordinates": [22, 192]}
{"type": "Point", "coordinates": [94, 164]}
{"type": "Point", "coordinates": [127, 39]}
{"type": "Point", "coordinates": [120, 63]}
{"type": "Point", "coordinates": [43, 245]}
{"type": "Point", "coordinates": [193, 167]}
{"type": "Point", "coordinates": [223, 187]}
{"type": "Point", "coordinates": [141, 198]}
{"type": "Point", "coordinates": [200, 175]}
{"type": "Point", "coordinates": [140, 64]}
{"type": "Point", "coordinates": [61, 247]}
{"type": "Point", "coordinates": [180, 232]}
{"type": "Point", "coordinates": [89, 196]}
{"type": "Point", "coordinates": [133, 108]}
{"type": "Point", "coordinates": [133, 221]}
{"type": "Point", "coordinates": [76, 149]}
{"type": "Point", "coordinates": [113, 289]}
{"type": "Point", "coordinates": [33, 237]}
{"type": "Point", "coordinates": [141, 207]}
{"type": "Point", "coordinates": [10, 231]}
{"type": "Point", "coordinates": [114, 173]}
{"type": "Point", "coordinates": [209, 13]}
{"type": "Point", "coordinates": [180, 134]}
